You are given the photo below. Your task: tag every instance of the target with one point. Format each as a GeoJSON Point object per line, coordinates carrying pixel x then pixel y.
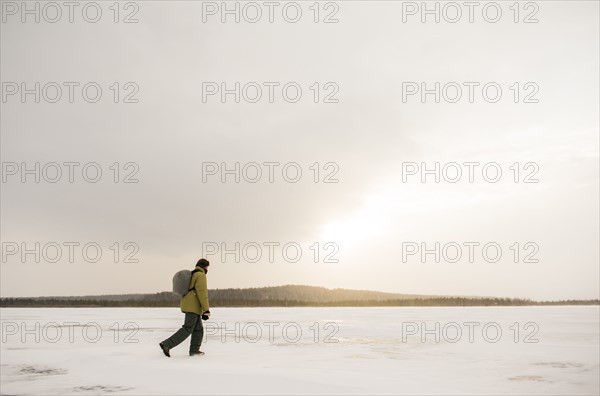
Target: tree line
{"type": "Point", "coordinates": [283, 296]}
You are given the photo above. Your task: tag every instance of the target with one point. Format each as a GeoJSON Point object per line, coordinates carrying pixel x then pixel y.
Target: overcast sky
{"type": "Point", "coordinates": [370, 215]}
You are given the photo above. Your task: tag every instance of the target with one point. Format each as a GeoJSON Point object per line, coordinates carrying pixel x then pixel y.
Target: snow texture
{"type": "Point", "coordinates": [260, 351]}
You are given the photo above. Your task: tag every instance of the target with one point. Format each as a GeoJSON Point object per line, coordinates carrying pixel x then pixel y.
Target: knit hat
{"type": "Point", "coordinates": [203, 263]}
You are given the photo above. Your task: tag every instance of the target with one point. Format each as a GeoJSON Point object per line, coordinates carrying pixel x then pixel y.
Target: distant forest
{"type": "Point", "coordinates": [283, 296]}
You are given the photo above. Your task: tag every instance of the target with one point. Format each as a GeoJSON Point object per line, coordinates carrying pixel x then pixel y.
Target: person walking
{"type": "Point", "coordinates": [194, 304]}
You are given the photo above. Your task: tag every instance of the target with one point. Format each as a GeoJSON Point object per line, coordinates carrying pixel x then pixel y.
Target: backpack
{"type": "Point", "coordinates": [181, 282]}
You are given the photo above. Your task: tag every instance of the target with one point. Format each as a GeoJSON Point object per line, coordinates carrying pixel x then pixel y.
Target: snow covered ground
{"type": "Point", "coordinates": [500, 350]}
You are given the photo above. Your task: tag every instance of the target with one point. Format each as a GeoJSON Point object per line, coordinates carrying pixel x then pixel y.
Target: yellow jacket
{"type": "Point", "coordinates": [196, 301]}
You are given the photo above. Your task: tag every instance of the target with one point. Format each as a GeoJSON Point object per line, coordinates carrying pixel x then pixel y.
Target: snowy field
{"type": "Point", "coordinates": [501, 350]}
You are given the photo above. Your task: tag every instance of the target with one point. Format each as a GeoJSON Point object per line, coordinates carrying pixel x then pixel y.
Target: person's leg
{"type": "Point", "coordinates": [197, 336]}
{"type": "Point", "coordinates": [184, 332]}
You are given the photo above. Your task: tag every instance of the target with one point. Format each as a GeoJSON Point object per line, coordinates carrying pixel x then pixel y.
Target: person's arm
{"type": "Point", "coordinates": [202, 291]}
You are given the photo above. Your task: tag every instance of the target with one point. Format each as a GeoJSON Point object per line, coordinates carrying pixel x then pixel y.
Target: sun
{"type": "Point", "coordinates": [366, 222]}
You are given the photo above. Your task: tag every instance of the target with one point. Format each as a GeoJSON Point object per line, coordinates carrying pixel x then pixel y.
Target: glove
{"type": "Point", "coordinates": [206, 315]}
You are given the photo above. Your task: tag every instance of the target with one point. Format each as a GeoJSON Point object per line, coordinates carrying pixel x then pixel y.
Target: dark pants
{"type": "Point", "coordinates": [192, 325]}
